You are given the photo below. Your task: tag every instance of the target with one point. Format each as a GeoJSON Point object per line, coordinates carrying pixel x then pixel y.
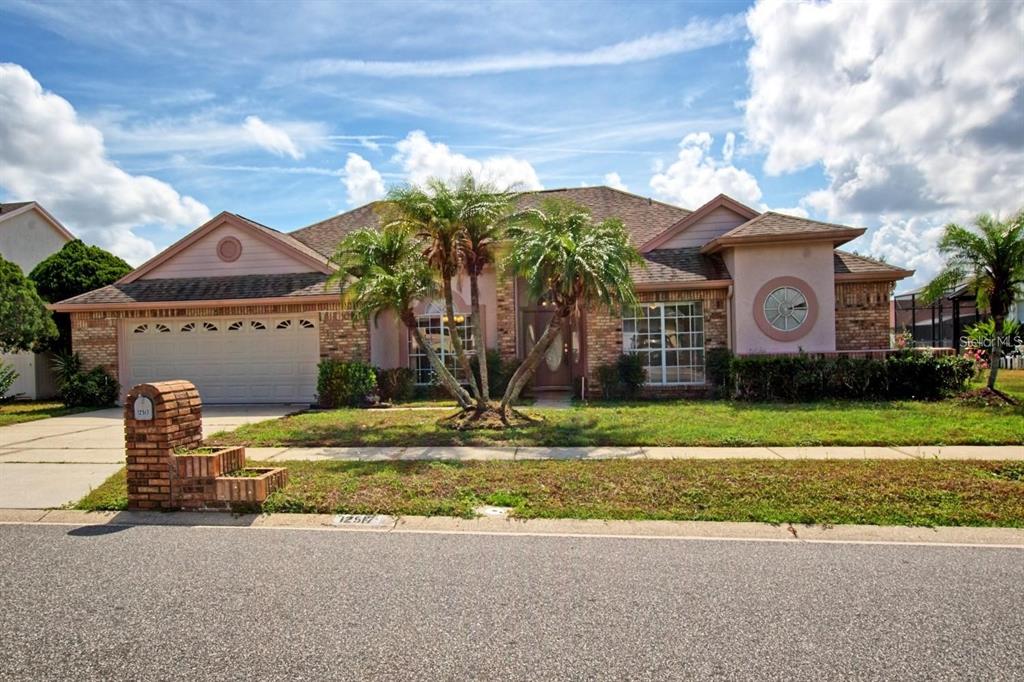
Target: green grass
{"type": "Point", "coordinates": [27, 411]}
{"type": "Point", "coordinates": [1010, 381]}
{"type": "Point", "coordinates": [913, 492]}
{"type": "Point", "coordinates": [111, 495]}
{"type": "Point", "coordinates": [681, 423]}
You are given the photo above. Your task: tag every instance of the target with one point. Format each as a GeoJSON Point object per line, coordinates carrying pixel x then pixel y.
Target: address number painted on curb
{"type": "Point", "coordinates": [143, 408]}
{"type": "Point", "coordinates": [363, 520]}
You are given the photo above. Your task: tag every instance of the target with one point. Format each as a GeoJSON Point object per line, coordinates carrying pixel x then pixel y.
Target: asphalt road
{"type": "Point", "coordinates": [163, 603]}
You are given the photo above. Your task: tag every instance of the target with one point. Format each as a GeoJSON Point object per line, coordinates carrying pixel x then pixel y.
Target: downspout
{"type": "Point", "coordinates": [730, 319]}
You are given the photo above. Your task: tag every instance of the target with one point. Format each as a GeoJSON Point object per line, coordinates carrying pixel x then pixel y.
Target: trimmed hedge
{"type": "Point", "coordinates": [623, 379]}
{"type": "Point", "coordinates": [803, 378]}
{"type": "Point", "coordinates": [344, 384]}
{"type": "Point", "coordinates": [396, 385]}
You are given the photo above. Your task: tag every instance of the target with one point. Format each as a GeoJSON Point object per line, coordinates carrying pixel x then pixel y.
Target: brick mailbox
{"type": "Point", "coordinates": [163, 427]}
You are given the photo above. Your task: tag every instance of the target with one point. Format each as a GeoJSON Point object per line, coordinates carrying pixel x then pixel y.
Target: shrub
{"type": "Point", "coordinates": [718, 361]}
{"type": "Point", "coordinates": [608, 380]}
{"type": "Point", "coordinates": [396, 385]}
{"type": "Point", "coordinates": [632, 374]}
{"type": "Point", "coordinates": [904, 376]}
{"type": "Point", "coordinates": [341, 383]}
{"type": "Point", "coordinates": [624, 378]}
{"type": "Point", "coordinates": [78, 388]}
{"type": "Point", "coordinates": [498, 372]}
{"type": "Point", "coordinates": [7, 378]}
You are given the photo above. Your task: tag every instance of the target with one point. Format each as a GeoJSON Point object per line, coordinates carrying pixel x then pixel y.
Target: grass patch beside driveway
{"type": "Point", "coordinates": [27, 411]}
{"type": "Point", "coordinates": [913, 492]}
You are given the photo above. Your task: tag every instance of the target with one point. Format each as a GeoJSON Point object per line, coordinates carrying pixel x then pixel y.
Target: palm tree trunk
{"type": "Point", "coordinates": [478, 339]}
{"type": "Point", "coordinates": [450, 383]}
{"type": "Point", "coordinates": [526, 370]}
{"type": "Point", "coordinates": [453, 333]}
{"type": "Point", "coordinates": [997, 352]}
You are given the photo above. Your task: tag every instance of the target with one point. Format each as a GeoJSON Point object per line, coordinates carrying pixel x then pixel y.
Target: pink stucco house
{"type": "Point", "coordinates": [244, 311]}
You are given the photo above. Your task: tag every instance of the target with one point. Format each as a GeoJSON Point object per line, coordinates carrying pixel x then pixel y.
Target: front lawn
{"type": "Point", "coordinates": [913, 492]}
{"type": "Point", "coordinates": [27, 411]}
{"type": "Point", "coordinates": [695, 423]}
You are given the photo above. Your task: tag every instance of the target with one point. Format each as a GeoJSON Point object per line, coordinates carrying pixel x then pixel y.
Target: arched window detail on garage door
{"type": "Point", "coordinates": [209, 326]}
{"type": "Point", "coordinates": [141, 329]}
{"type": "Point", "coordinates": [188, 327]}
{"type": "Point", "coordinates": [256, 324]}
{"type": "Point", "coordinates": [235, 326]}
{"type": "Point", "coordinates": [307, 324]}
{"type": "Point", "coordinates": [284, 324]}
{"type": "Point", "coordinates": [163, 329]}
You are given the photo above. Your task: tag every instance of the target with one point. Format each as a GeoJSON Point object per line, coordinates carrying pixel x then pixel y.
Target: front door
{"type": "Point", "coordinates": [555, 370]}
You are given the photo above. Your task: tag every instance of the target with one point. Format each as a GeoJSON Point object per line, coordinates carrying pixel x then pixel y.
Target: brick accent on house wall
{"type": "Point", "coordinates": [343, 338]}
{"type": "Point", "coordinates": [94, 338]}
{"type": "Point", "coordinates": [507, 318]}
{"type": "Point", "coordinates": [94, 334]}
{"type": "Point", "coordinates": [862, 315]}
{"type": "Point", "coordinates": [604, 334]}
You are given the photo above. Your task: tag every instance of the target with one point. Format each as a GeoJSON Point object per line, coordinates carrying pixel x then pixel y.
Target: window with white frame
{"type": "Point", "coordinates": [437, 334]}
{"type": "Point", "coordinates": [670, 339]}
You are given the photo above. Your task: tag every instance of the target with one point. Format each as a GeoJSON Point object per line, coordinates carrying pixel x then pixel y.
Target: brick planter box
{"type": "Point", "coordinates": [250, 489]}
{"type": "Point", "coordinates": [210, 465]}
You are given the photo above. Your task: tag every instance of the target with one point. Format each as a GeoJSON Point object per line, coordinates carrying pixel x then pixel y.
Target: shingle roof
{"type": "Point", "coordinates": [13, 206]}
{"type": "Point", "coordinates": [644, 218]}
{"type": "Point", "coordinates": [771, 224]}
{"type": "Point", "coordinates": [684, 265]}
{"type": "Point", "coordinates": [847, 263]}
{"type": "Point", "coordinates": [290, 285]}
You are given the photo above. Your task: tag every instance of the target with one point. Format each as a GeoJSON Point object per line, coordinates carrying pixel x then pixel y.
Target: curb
{"type": "Point", "coordinates": [575, 528]}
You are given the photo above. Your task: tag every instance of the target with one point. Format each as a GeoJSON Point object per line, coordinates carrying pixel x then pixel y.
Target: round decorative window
{"type": "Point", "coordinates": [786, 308]}
{"type": "Point", "coordinates": [229, 249]}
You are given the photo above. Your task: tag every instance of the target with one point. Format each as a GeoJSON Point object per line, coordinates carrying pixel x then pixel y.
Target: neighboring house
{"type": "Point", "coordinates": [245, 313]}
{"type": "Point", "coordinates": [28, 235]}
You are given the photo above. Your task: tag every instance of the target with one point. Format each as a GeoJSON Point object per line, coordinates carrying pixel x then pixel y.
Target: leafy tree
{"type": "Point", "coordinates": [456, 224]}
{"type": "Point", "coordinates": [478, 245]}
{"type": "Point", "coordinates": [76, 269]}
{"type": "Point", "coordinates": [25, 323]}
{"type": "Point", "coordinates": [991, 258]}
{"type": "Point", "coordinates": [570, 262]}
{"type": "Point", "coordinates": [382, 270]}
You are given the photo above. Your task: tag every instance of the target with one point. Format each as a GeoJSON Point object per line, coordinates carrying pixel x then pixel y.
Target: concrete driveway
{"type": "Point", "coordinates": [49, 462]}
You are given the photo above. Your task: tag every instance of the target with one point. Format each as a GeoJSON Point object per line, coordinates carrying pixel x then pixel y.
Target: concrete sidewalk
{"type": "Point", "coordinates": [469, 453]}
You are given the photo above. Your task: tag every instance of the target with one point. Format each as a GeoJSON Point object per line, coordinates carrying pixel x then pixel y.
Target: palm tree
{"type": "Point", "coordinates": [991, 258]}
{"type": "Point", "coordinates": [570, 262]}
{"type": "Point", "coordinates": [436, 215]}
{"type": "Point", "coordinates": [486, 210]}
{"type": "Point", "coordinates": [382, 270]}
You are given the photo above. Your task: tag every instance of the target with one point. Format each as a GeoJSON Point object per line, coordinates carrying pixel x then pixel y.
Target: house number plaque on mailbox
{"type": "Point", "coordinates": [143, 407]}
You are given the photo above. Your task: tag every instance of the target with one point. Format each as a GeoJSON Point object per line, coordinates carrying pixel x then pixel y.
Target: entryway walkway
{"type": "Point", "coordinates": [49, 462]}
{"type": "Point", "coordinates": [469, 453]}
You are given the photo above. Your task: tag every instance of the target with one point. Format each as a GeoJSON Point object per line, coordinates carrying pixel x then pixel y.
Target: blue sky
{"type": "Point", "coordinates": [133, 121]}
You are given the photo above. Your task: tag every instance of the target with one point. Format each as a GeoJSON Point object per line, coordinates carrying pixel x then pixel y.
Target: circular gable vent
{"type": "Point", "coordinates": [229, 249]}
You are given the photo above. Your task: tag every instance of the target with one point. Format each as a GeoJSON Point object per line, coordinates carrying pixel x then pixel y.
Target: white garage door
{"type": "Point", "coordinates": [230, 360]}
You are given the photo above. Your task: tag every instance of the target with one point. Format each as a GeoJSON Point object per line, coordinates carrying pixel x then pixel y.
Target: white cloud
{"type": "Point", "coordinates": [207, 135]}
{"type": "Point", "coordinates": [696, 176]}
{"type": "Point", "coordinates": [421, 159]}
{"type": "Point", "coordinates": [271, 138]}
{"type": "Point", "coordinates": [695, 35]}
{"type": "Point", "coordinates": [48, 155]}
{"type": "Point", "coordinates": [915, 111]}
{"type": "Point", "coordinates": [614, 181]}
{"type": "Point", "coordinates": [363, 183]}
